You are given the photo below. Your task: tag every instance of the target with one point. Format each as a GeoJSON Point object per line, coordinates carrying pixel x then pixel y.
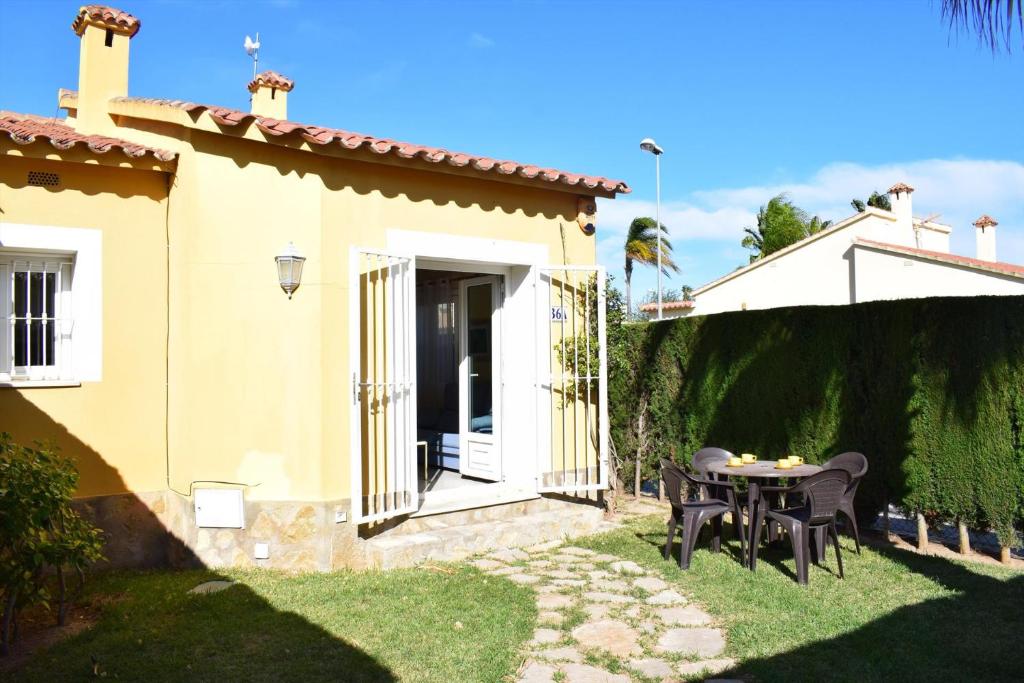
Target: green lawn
{"type": "Point", "coordinates": [343, 626]}
{"type": "Point", "coordinates": [897, 616]}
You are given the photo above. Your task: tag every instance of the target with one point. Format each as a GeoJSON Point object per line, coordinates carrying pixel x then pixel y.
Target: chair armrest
{"type": "Point", "coordinates": [775, 489]}
{"type": "Point", "coordinates": [710, 482]}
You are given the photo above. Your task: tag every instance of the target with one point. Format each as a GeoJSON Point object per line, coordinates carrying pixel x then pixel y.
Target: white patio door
{"type": "Point", "coordinates": [572, 396]}
{"type": "Point", "coordinates": [382, 357]}
{"type": "Point", "coordinates": [480, 377]}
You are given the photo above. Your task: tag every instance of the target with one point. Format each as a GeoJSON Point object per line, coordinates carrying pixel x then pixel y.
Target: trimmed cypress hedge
{"type": "Point", "coordinates": [931, 390]}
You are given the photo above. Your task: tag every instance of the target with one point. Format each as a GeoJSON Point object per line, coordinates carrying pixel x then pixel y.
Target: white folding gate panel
{"type": "Point", "coordinates": [382, 324]}
{"type": "Point", "coordinates": [572, 406]}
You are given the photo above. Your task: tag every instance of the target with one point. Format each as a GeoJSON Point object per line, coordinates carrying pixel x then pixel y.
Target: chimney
{"type": "Point", "coordinates": [899, 199]}
{"type": "Point", "coordinates": [105, 34]}
{"type": "Point", "coordinates": [270, 95]}
{"type": "Point", "coordinates": [985, 238]}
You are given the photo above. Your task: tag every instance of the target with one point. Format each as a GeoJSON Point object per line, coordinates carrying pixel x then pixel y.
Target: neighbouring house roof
{"type": "Point", "coordinates": [324, 136]}
{"type": "Point", "coordinates": [845, 223]}
{"type": "Point", "coordinates": [986, 221]}
{"type": "Point", "coordinates": [667, 306]}
{"type": "Point", "coordinates": [949, 259]}
{"type": "Point", "coordinates": [273, 80]}
{"type": "Point", "coordinates": [24, 129]}
{"type": "Point", "coordinates": [108, 17]}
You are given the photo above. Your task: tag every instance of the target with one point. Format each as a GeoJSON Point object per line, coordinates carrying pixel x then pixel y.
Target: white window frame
{"type": "Point", "coordinates": [83, 310]}
{"type": "Point", "coordinates": [61, 266]}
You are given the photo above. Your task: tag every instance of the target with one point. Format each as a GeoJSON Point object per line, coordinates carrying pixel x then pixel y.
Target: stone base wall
{"type": "Point", "coordinates": [158, 529]}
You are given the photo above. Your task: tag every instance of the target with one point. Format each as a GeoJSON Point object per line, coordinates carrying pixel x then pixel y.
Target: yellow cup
{"type": "Point", "coordinates": [784, 464]}
{"type": "Point", "coordinates": [748, 458]}
{"type": "Point", "coordinates": [796, 460]}
{"type": "Point", "coordinates": [734, 461]}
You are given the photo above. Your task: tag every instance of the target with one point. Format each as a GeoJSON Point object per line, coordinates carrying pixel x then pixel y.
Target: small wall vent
{"type": "Point", "coordinates": [43, 179]}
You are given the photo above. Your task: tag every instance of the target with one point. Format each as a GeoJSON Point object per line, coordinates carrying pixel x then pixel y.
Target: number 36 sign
{"type": "Point", "coordinates": [558, 314]}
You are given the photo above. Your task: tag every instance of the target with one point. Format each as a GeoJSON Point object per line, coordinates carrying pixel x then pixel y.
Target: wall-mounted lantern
{"type": "Point", "coordinates": [289, 269]}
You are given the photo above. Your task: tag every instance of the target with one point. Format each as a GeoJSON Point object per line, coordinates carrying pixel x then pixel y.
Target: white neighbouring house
{"type": "Point", "coordinates": [871, 256]}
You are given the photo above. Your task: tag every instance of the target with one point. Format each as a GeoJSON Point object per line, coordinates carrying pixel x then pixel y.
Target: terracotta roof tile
{"type": "Point", "coordinates": [317, 135]}
{"type": "Point", "coordinates": [986, 221]}
{"type": "Point", "coordinates": [273, 80]}
{"type": "Point", "coordinates": [667, 306]}
{"type": "Point", "coordinates": [24, 129]}
{"type": "Point", "coordinates": [106, 16]}
{"type": "Point", "coordinates": [956, 259]}
{"type": "Point", "coordinates": [901, 187]}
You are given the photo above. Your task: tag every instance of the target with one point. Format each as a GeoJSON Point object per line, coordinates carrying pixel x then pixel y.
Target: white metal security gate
{"type": "Point", "coordinates": [382, 324]}
{"type": "Point", "coordinates": [572, 406]}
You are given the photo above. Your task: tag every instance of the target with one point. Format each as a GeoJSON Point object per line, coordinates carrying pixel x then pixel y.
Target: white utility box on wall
{"type": "Point", "coordinates": [219, 508]}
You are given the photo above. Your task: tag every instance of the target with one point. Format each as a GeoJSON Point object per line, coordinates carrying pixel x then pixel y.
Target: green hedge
{"type": "Point", "coordinates": [931, 390]}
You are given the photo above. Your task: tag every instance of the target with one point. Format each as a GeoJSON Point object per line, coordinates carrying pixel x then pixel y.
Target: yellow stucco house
{"type": "Point", "coordinates": [434, 386]}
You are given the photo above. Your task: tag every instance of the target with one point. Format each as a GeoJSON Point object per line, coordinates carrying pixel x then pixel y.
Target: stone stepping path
{"type": "Point", "coordinates": [603, 619]}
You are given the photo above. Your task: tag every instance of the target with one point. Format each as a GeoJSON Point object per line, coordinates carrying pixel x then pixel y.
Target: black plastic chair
{"type": "Point", "coordinates": [694, 513]}
{"type": "Point", "coordinates": [856, 465]}
{"type": "Point", "coordinates": [821, 495]}
{"type": "Point", "coordinates": [701, 460]}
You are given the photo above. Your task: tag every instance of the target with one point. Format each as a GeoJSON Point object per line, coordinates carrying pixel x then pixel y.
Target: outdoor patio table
{"type": "Point", "coordinates": [756, 474]}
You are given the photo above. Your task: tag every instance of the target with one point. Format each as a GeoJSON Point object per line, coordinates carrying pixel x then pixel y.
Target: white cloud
{"type": "Point", "coordinates": [479, 40]}
{"type": "Point", "coordinates": [707, 225]}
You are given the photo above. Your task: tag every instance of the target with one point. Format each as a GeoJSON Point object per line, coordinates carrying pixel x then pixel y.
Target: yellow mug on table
{"type": "Point", "coordinates": [784, 464]}
{"type": "Point", "coordinates": [735, 461]}
{"type": "Point", "coordinates": [748, 458]}
{"type": "Point", "coordinates": [795, 460]}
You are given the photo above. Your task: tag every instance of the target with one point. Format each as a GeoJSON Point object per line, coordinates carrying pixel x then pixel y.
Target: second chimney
{"type": "Point", "coordinates": [985, 238]}
{"type": "Point", "coordinates": [270, 95]}
{"type": "Point", "coordinates": [899, 199]}
{"type": "Point", "coordinates": [105, 34]}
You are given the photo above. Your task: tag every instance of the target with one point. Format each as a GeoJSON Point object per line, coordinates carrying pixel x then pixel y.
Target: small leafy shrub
{"type": "Point", "coordinates": [40, 534]}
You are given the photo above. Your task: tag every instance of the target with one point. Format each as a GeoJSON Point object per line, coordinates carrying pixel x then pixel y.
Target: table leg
{"type": "Point", "coordinates": [753, 497]}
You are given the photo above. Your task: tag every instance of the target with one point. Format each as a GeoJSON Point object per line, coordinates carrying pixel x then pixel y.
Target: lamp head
{"type": "Point", "coordinates": [649, 145]}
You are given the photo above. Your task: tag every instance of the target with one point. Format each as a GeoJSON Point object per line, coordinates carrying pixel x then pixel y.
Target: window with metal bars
{"type": "Point", "coordinates": [35, 303]}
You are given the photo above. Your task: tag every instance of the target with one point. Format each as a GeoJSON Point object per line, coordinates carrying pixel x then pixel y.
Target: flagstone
{"type": "Point", "coordinates": [703, 642]}
{"type": "Point", "coordinates": [609, 635]}
{"type": "Point", "coordinates": [666, 598]}
{"type": "Point", "coordinates": [551, 618]}
{"type": "Point", "coordinates": [543, 547]}
{"type": "Point", "coordinates": [486, 564]}
{"type": "Point", "coordinates": [650, 584]}
{"type": "Point", "coordinates": [582, 552]}
{"type": "Point", "coordinates": [711, 666]}
{"type": "Point", "coordinates": [569, 582]}
{"type": "Point", "coordinates": [601, 596]}
{"type": "Point", "coordinates": [584, 673]}
{"type": "Point", "coordinates": [604, 557]}
{"type": "Point", "coordinates": [508, 555]}
{"type": "Point", "coordinates": [561, 574]}
{"type": "Point", "coordinates": [687, 615]}
{"type": "Point", "coordinates": [546, 601]}
{"type": "Point", "coordinates": [546, 636]}
{"type": "Point", "coordinates": [539, 564]}
{"type": "Point", "coordinates": [627, 567]}
{"type": "Point", "coordinates": [652, 668]}
{"type": "Point", "coordinates": [596, 611]}
{"type": "Point", "coordinates": [505, 571]}
{"type": "Point", "coordinates": [523, 579]}
{"type": "Point", "coordinates": [536, 672]}
{"type": "Point", "coordinates": [560, 654]}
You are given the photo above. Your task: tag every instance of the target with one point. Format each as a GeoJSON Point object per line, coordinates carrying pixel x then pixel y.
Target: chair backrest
{"type": "Point", "coordinates": [705, 456]}
{"type": "Point", "coordinates": [673, 476]}
{"type": "Point", "coordinates": [823, 492]}
{"type": "Point", "coordinates": [855, 464]}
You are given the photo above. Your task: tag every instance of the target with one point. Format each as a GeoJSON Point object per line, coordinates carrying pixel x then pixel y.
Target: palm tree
{"type": "Point", "coordinates": [992, 20]}
{"type": "Point", "coordinates": [642, 247]}
{"type": "Point", "coordinates": [879, 201]}
{"type": "Point", "coordinates": [780, 223]}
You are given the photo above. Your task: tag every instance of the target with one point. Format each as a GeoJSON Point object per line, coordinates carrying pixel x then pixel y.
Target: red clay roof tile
{"type": "Point", "coordinates": [24, 129]}
{"type": "Point", "coordinates": [956, 259]}
{"type": "Point", "coordinates": [106, 16]}
{"type": "Point", "coordinates": [901, 187]}
{"type": "Point", "coordinates": [318, 135]}
{"type": "Point", "coordinates": [273, 80]}
{"type": "Point", "coordinates": [986, 221]}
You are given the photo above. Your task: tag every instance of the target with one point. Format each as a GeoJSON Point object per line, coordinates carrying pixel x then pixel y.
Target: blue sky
{"type": "Point", "coordinates": [825, 99]}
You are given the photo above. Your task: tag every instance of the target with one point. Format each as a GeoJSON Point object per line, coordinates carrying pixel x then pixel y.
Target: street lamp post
{"type": "Point", "coordinates": [649, 145]}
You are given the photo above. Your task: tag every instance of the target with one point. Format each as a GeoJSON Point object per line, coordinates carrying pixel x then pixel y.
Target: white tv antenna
{"type": "Point", "coordinates": [252, 48]}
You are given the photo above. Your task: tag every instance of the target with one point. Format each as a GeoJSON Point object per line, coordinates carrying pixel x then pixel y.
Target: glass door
{"type": "Point", "coordinates": [479, 378]}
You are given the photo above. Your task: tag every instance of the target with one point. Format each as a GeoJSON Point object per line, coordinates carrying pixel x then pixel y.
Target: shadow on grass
{"type": "Point", "coordinates": [152, 628]}
{"type": "Point", "coordinates": [973, 634]}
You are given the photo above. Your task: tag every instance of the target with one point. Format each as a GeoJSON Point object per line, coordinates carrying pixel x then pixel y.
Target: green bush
{"type": "Point", "coordinates": [40, 534]}
{"type": "Point", "coordinates": [931, 390]}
